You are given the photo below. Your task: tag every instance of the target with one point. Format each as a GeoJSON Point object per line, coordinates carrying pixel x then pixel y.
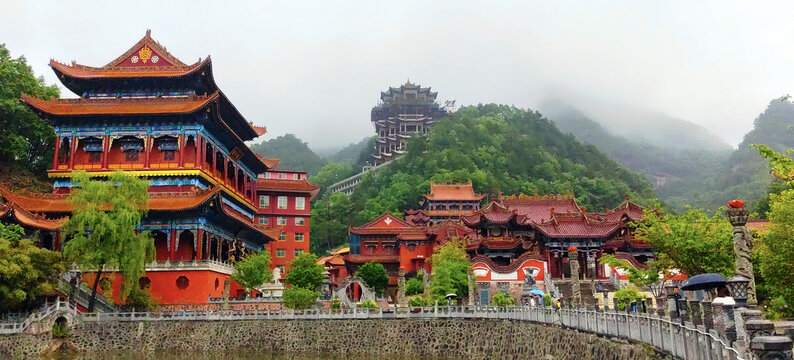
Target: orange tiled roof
{"type": "Point", "coordinates": [58, 203]}
{"type": "Point", "coordinates": [83, 106]}
{"type": "Point", "coordinates": [271, 163]}
{"type": "Point", "coordinates": [302, 186]}
{"type": "Point", "coordinates": [760, 225]}
{"type": "Point", "coordinates": [453, 192]}
{"type": "Point", "coordinates": [26, 218]}
{"type": "Point", "coordinates": [89, 72]}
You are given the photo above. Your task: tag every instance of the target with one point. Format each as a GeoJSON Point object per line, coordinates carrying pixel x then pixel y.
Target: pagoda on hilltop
{"type": "Point", "coordinates": [402, 112]}
{"type": "Point", "coordinates": [149, 113]}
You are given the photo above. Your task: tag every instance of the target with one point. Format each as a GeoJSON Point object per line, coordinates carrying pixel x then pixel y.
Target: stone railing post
{"type": "Point", "coordinates": [771, 347]}
{"type": "Point", "coordinates": [694, 312]}
{"type": "Point", "coordinates": [615, 304]}
{"type": "Point", "coordinates": [708, 316]}
{"type": "Point", "coordinates": [683, 308]}
{"type": "Point", "coordinates": [576, 288]}
{"type": "Point", "coordinates": [660, 306]}
{"type": "Point", "coordinates": [741, 317]}
{"type": "Point", "coordinates": [742, 246]}
{"type": "Point", "coordinates": [401, 298]}
{"type": "Point", "coordinates": [757, 327]}
{"type": "Point", "coordinates": [730, 322]}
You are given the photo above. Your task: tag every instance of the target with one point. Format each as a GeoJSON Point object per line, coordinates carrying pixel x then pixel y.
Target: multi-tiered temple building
{"type": "Point", "coordinates": [506, 240]}
{"type": "Point", "coordinates": [149, 113]}
{"type": "Point", "coordinates": [403, 112]}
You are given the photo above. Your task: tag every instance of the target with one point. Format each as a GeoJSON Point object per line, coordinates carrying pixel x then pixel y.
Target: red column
{"type": "Point", "coordinates": [199, 152]}
{"type": "Point", "coordinates": [105, 151]}
{"type": "Point", "coordinates": [200, 241]}
{"type": "Point", "coordinates": [57, 244]}
{"type": "Point", "coordinates": [214, 160]}
{"type": "Point", "coordinates": [72, 150]}
{"type": "Point", "coordinates": [181, 144]}
{"type": "Point", "coordinates": [171, 252]}
{"type": "Point", "coordinates": [55, 154]}
{"type": "Point", "coordinates": [147, 147]}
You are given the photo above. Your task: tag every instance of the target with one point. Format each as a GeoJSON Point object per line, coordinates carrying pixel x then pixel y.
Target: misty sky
{"type": "Point", "coordinates": [316, 68]}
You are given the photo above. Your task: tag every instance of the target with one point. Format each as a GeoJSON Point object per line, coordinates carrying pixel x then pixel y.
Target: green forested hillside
{"type": "Point", "coordinates": [744, 174]}
{"type": "Point", "coordinates": [498, 148]}
{"type": "Point", "coordinates": [670, 169]}
{"type": "Point", "coordinates": [352, 153]}
{"type": "Point", "coordinates": [293, 152]}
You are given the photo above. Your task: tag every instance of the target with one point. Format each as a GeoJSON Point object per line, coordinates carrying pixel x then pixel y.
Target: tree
{"type": "Point", "coordinates": [374, 275]}
{"type": "Point", "coordinates": [102, 227]}
{"type": "Point", "coordinates": [627, 294]}
{"type": "Point", "coordinates": [775, 251]}
{"type": "Point", "coordinates": [304, 277]}
{"type": "Point", "coordinates": [253, 270]}
{"type": "Point", "coordinates": [305, 272]}
{"type": "Point", "coordinates": [414, 286]}
{"type": "Point", "coordinates": [26, 140]}
{"type": "Point", "coordinates": [692, 242]}
{"type": "Point", "coordinates": [641, 278]}
{"type": "Point", "coordinates": [331, 216]}
{"type": "Point", "coordinates": [450, 271]}
{"type": "Point", "coordinates": [26, 270]}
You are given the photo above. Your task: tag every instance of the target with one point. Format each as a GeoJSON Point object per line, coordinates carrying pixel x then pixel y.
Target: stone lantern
{"type": "Point", "coordinates": [739, 286]}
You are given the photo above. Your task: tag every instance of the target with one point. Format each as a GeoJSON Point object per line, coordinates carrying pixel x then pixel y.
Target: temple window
{"type": "Point", "coordinates": [299, 237]}
{"type": "Point", "coordinates": [282, 202]}
{"type": "Point", "coordinates": [296, 177]}
{"type": "Point", "coordinates": [300, 203]}
{"type": "Point", "coordinates": [282, 175]}
{"type": "Point", "coordinates": [182, 282]}
{"type": "Point", "coordinates": [93, 147]}
{"type": "Point", "coordinates": [300, 221]}
{"type": "Point", "coordinates": [281, 220]}
{"type": "Point", "coordinates": [263, 220]}
{"type": "Point", "coordinates": [168, 145]}
{"type": "Point", "coordinates": [282, 236]}
{"type": "Point", "coordinates": [264, 201]}
{"type": "Point", "coordinates": [298, 252]}
{"type": "Point", "coordinates": [382, 133]}
{"type": "Point", "coordinates": [281, 253]}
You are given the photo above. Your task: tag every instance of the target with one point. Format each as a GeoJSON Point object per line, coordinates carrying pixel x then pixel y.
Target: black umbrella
{"type": "Point", "coordinates": [704, 282]}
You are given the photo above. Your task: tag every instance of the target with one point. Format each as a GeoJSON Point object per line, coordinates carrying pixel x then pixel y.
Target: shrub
{"type": "Point", "coordinates": [336, 304]}
{"type": "Point", "coordinates": [502, 300]}
{"type": "Point", "coordinates": [627, 294]}
{"type": "Point", "coordinates": [368, 304]}
{"type": "Point", "coordinates": [59, 331]}
{"type": "Point", "coordinates": [414, 286]}
{"type": "Point", "coordinates": [141, 299]}
{"type": "Point", "coordinates": [777, 309]}
{"type": "Point", "coordinates": [299, 298]}
{"type": "Point", "coordinates": [374, 274]}
{"type": "Point", "coordinates": [547, 300]}
{"type": "Point", "coordinates": [417, 301]}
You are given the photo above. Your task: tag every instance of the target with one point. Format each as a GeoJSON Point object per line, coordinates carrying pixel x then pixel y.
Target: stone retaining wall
{"type": "Point", "coordinates": [448, 338]}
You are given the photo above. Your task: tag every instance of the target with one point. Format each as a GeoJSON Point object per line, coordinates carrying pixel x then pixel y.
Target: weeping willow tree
{"type": "Point", "coordinates": [101, 230]}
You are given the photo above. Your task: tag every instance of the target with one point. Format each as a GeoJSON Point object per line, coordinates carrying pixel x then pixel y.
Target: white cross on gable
{"type": "Point", "coordinates": [387, 221]}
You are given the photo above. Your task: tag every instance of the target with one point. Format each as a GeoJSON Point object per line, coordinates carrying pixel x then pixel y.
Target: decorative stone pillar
{"type": "Point", "coordinates": [660, 306]}
{"type": "Point", "coordinates": [772, 347]}
{"type": "Point", "coordinates": [472, 286]}
{"type": "Point", "coordinates": [402, 300]}
{"type": "Point", "coordinates": [730, 322]}
{"type": "Point", "coordinates": [742, 245]}
{"type": "Point", "coordinates": [576, 287]}
{"type": "Point", "coordinates": [615, 304]}
{"type": "Point", "coordinates": [757, 327]}
{"type": "Point", "coordinates": [741, 317]}
{"type": "Point", "coordinates": [694, 312]}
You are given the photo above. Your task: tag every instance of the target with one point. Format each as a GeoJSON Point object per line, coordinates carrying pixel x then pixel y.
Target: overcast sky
{"type": "Point", "coordinates": [316, 68]}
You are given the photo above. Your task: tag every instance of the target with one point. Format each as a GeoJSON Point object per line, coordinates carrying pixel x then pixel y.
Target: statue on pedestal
{"type": "Point", "coordinates": [742, 245]}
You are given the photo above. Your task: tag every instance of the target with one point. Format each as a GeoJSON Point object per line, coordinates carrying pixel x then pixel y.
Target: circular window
{"type": "Point", "coordinates": [144, 282]}
{"type": "Point", "coordinates": [182, 282]}
{"type": "Point", "coordinates": [217, 283]}
{"type": "Point", "coordinates": [496, 231]}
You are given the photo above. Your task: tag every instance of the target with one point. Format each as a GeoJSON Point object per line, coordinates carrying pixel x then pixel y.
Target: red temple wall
{"type": "Point", "coordinates": [163, 286]}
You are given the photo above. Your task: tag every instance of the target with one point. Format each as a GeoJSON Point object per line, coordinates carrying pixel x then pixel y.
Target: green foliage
{"type": "Point", "coordinates": [102, 226]}
{"type": "Point", "coordinates": [414, 286]}
{"type": "Point", "coordinates": [502, 300]}
{"type": "Point", "coordinates": [775, 251]}
{"type": "Point", "coordinates": [627, 294]}
{"type": "Point", "coordinates": [293, 153]}
{"type": "Point", "coordinates": [299, 298]}
{"type": "Point", "coordinates": [27, 272]}
{"type": "Point", "coordinates": [331, 173]}
{"type": "Point", "coordinates": [777, 309]}
{"type": "Point", "coordinates": [141, 299]}
{"type": "Point", "coordinates": [253, 270]}
{"type": "Point", "coordinates": [305, 272]}
{"type": "Point", "coordinates": [450, 271]}
{"type": "Point", "coordinates": [336, 304]}
{"type": "Point", "coordinates": [692, 242]}
{"type": "Point", "coordinates": [26, 140]}
{"type": "Point", "coordinates": [547, 300]}
{"type": "Point", "coordinates": [368, 304]}
{"type": "Point", "coordinates": [331, 215]}
{"type": "Point", "coordinates": [374, 275]}
{"type": "Point", "coordinates": [417, 301]}
{"type": "Point", "coordinates": [59, 331]}
{"type": "Point", "coordinates": [355, 154]}
{"type": "Point", "coordinates": [641, 278]}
